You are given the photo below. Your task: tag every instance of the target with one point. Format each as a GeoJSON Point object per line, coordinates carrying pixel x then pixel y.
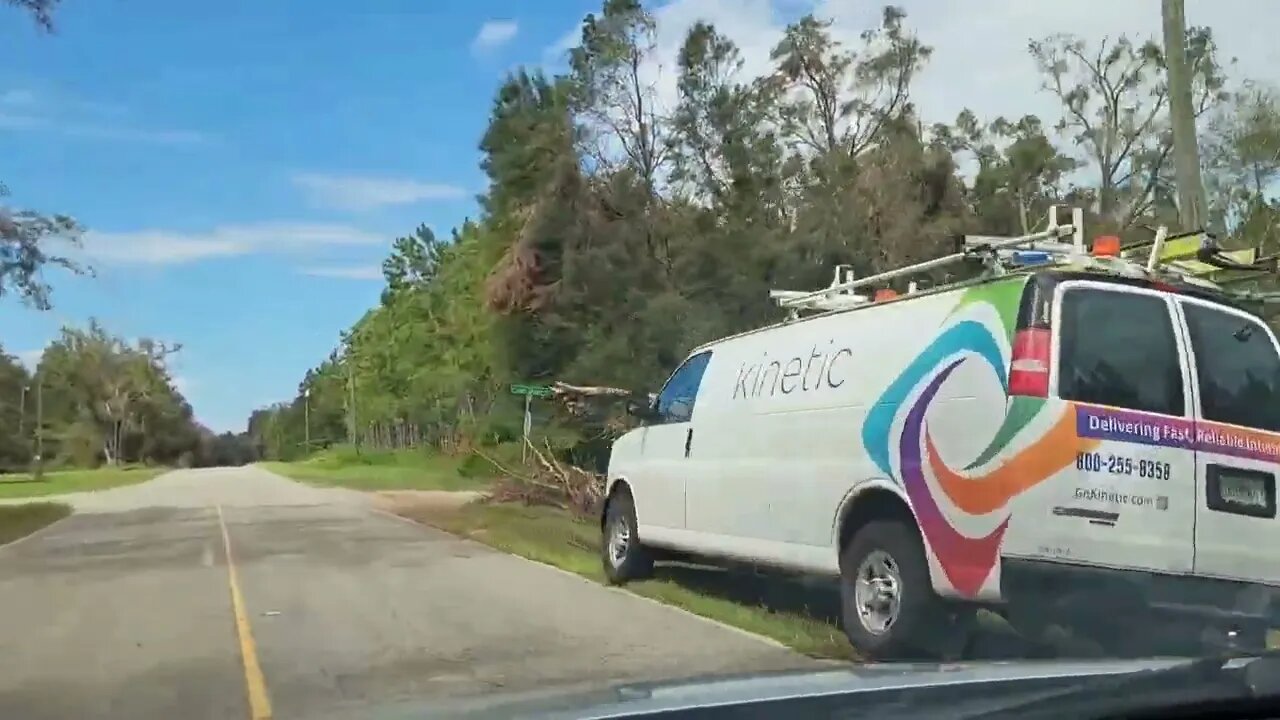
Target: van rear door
{"type": "Point", "coordinates": [1236, 364]}
{"type": "Point", "coordinates": [1122, 368]}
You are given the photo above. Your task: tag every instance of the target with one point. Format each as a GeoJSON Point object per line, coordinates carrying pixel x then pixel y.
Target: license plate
{"type": "Point", "coordinates": [1246, 491]}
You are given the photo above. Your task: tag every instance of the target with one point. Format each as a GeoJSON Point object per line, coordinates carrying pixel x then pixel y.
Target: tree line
{"type": "Point", "coordinates": [94, 398]}
{"type": "Point", "coordinates": [618, 232]}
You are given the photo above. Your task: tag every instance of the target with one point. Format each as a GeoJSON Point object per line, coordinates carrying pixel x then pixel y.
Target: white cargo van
{"type": "Point", "coordinates": [1082, 439]}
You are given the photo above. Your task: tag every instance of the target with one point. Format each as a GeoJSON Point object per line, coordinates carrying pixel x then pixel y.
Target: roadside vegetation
{"type": "Point", "coordinates": [388, 470]}
{"type": "Point", "coordinates": [61, 482]}
{"type": "Point", "coordinates": [19, 521]}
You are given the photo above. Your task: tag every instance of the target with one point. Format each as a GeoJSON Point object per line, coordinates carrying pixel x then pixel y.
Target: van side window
{"type": "Point", "coordinates": [1237, 368]}
{"type": "Point", "coordinates": [675, 402]}
{"type": "Point", "coordinates": [1119, 349]}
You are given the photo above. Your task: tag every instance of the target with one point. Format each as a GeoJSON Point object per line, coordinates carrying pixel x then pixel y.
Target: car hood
{"type": "Point", "coordinates": [625, 699]}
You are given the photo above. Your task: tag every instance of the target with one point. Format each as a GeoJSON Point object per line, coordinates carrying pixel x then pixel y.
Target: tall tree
{"type": "Point", "coordinates": [1242, 162]}
{"type": "Point", "coordinates": [413, 260]}
{"type": "Point", "coordinates": [612, 93]}
{"type": "Point", "coordinates": [1020, 172]}
{"type": "Point", "coordinates": [1115, 108]}
{"type": "Point", "coordinates": [844, 99]}
{"type": "Point", "coordinates": [108, 399]}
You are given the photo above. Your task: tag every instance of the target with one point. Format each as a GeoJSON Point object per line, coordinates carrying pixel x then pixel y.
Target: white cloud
{"type": "Point", "coordinates": [980, 55]}
{"type": "Point", "coordinates": [182, 384]}
{"type": "Point", "coordinates": [357, 192]}
{"type": "Point", "coordinates": [166, 247]}
{"type": "Point", "coordinates": [494, 34]}
{"type": "Point", "coordinates": [25, 109]}
{"type": "Point", "coordinates": [353, 272]}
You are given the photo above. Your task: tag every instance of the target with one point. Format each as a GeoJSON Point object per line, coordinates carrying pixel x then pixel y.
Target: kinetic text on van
{"type": "Point", "coordinates": [822, 368]}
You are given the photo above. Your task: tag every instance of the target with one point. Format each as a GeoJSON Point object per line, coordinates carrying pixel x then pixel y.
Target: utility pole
{"type": "Point", "coordinates": [351, 408]}
{"type": "Point", "coordinates": [306, 417]}
{"type": "Point", "coordinates": [22, 414]}
{"type": "Point", "coordinates": [39, 473]}
{"type": "Point", "coordinates": [1192, 206]}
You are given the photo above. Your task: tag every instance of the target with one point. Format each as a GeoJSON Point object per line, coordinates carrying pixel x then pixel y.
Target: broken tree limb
{"type": "Point", "coordinates": [498, 465]}
{"type": "Point", "coordinates": [562, 388]}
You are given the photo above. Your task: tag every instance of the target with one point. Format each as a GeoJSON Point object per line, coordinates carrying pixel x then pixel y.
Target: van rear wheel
{"type": "Point", "coordinates": [889, 608]}
{"type": "Point", "coordinates": [624, 558]}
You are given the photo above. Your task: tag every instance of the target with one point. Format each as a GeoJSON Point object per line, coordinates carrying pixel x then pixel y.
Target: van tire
{"type": "Point", "coordinates": [634, 562]}
{"type": "Point", "coordinates": [920, 613]}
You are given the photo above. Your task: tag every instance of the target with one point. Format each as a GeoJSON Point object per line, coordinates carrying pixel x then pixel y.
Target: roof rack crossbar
{"type": "Point", "coordinates": [974, 246]}
{"type": "Point", "coordinates": [1193, 258]}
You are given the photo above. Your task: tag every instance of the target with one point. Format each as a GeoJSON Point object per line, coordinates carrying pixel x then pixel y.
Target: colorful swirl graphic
{"type": "Point", "coordinates": [966, 561]}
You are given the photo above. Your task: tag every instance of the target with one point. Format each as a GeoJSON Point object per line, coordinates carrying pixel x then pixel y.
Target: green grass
{"type": "Point", "coordinates": [17, 521]}
{"type": "Point", "coordinates": [769, 607]}
{"type": "Point", "coordinates": [385, 470]}
{"type": "Point", "coordinates": [61, 482]}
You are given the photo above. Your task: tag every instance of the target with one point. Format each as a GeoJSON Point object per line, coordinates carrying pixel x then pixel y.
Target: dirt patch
{"type": "Point", "coordinates": [411, 502]}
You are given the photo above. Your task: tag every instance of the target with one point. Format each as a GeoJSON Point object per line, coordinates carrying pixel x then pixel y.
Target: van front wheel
{"type": "Point", "coordinates": [888, 603]}
{"type": "Point", "coordinates": [624, 557]}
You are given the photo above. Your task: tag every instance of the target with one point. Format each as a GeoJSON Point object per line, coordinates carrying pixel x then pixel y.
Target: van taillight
{"type": "Point", "coordinates": [1029, 366]}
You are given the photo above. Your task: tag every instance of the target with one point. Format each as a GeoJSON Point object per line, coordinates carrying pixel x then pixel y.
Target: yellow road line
{"type": "Point", "coordinates": [255, 684]}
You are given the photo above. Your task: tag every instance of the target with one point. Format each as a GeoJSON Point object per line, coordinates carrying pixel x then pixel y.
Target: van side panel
{"type": "Point", "coordinates": [913, 392]}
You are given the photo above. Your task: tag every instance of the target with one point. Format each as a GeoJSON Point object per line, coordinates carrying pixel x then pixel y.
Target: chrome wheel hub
{"type": "Point", "coordinates": [877, 592]}
{"type": "Point", "coordinates": [619, 541]}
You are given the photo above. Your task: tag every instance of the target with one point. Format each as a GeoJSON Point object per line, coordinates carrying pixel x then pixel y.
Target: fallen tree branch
{"type": "Point", "coordinates": [561, 388]}
{"type": "Point", "coordinates": [497, 465]}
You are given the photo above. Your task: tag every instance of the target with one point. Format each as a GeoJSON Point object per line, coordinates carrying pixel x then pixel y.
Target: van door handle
{"type": "Point", "coordinates": [688, 442]}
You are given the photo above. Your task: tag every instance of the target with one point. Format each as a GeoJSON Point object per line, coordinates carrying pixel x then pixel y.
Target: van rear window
{"type": "Point", "coordinates": [1237, 368]}
{"type": "Point", "coordinates": [1118, 348]}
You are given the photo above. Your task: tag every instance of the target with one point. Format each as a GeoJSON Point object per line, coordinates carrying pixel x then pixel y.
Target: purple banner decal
{"type": "Point", "coordinates": [1148, 429]}
{"type": "Point", "coordinates": [1133, 427]}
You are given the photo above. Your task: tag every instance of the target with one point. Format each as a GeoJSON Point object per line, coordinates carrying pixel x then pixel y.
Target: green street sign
{"type": "Point", "coordinates": [533, 390]}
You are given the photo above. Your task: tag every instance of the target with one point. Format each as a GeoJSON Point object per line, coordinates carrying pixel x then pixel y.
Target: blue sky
{"type": "Point", "coordinates": [243, 165]}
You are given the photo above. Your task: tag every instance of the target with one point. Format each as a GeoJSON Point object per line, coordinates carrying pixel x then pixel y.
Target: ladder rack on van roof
{"type": "Point", "coordinates": [1193, 258]}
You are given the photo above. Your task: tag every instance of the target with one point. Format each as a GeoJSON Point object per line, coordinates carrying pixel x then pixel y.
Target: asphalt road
{"type": "Point", "coordinates": [127, 610]}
